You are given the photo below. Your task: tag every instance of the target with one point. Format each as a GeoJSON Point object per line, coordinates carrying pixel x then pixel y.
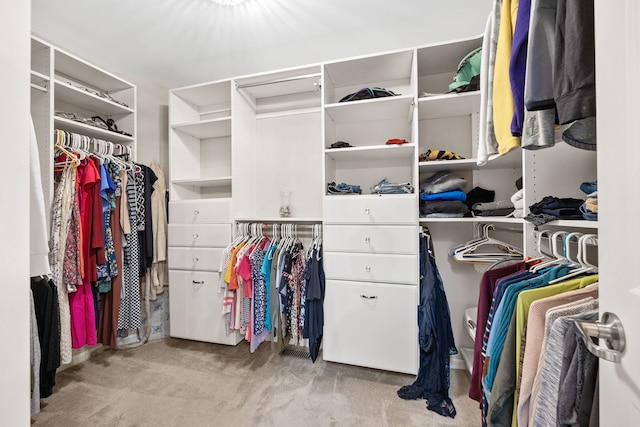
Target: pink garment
{"type": "Point", "coordinates": [83, 317]}
{"type": "Point", "coordinates": [81, 305]}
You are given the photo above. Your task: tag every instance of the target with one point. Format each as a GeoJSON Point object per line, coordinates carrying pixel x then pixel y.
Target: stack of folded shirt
{"type": "Point", "coordinates": [589, 208]}
{"type": "Point", "coordinates": [441, 196]}
{"type": "Point", "coordinates": [518, 204]}
{"type": "Point", "coordinates": [498, 208]}
{"type": "Point", "coordinates": [431, 155]}
{"type": "Point", "coordinates": [386, 187]}
{"type": "Point", "coordinates": [551, 208]}
{"type": "Point", "coordinates": [343, 188]}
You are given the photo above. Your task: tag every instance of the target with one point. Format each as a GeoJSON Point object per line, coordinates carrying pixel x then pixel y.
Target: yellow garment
{"type": "Point", "coordinates": [503, 107]}
{"type": "Point", "coordinates": [232, 263]}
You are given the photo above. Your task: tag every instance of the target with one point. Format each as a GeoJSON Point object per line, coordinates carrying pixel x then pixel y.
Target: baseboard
{"type": "Point", "coordinates": [83, 354]}
{"type": "Point", "coordinates": [457, 362]}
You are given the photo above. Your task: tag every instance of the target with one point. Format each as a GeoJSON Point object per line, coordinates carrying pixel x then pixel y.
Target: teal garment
{"type": "Point", "coordinates": [266, 273]}
{"type": "Point", "coordinates": [504, 313]}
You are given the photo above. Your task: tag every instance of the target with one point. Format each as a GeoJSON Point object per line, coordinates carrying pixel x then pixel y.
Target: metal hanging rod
{"type": "Point", "coordinates": [40, 88]}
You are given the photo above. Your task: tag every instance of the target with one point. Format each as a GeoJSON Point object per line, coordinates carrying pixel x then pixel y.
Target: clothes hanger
{"type": "Point", "coordinates": [558, 258]}
{"type": "Point", "coordinates": [584, 266]}
{"type": "Point", "coordinates": [504, 251]}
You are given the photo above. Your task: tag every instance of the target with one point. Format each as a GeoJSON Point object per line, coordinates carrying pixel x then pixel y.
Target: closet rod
{"type": "Point", "coordinates": [283, 80]}
{"type": "Point", "coordinates": [40, 88]}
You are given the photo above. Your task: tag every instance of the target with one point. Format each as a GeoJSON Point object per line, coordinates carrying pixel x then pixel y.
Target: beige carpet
{"type": "Point", "coordinates": [172, 382]}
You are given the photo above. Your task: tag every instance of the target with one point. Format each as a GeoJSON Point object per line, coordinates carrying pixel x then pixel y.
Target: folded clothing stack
{"type": "Point", "coordinates": [343, 188]}
{"type": "Point", "coordinates": [518, 204]}
{"type": "Point", "coordinates": [431, 155]}
{"type": "Point", "coordinates": [589, 208]}
{"type": "Point", "coordinates": [498, 208]}
{"type": "Point", "coordinates": [551, 208]}
{"type": "Point", "coordinates": [386, 187]}
{"type": "Point", "coordinates": [441, 196]}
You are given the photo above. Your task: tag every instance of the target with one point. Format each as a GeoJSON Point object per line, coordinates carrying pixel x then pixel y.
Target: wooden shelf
{"type": "Point", "coordinates": [204, 182]}
{"type": "Point", "coordinates": [391, 107]}
{"type": "Point", "coordinates": [448, 105]}
{"type": "Point", "coordinates": [81, 71]}
{"type": "Point", "coordinates": [571, 223]}
{"type": "Point", "coordinates": [88, 130]}
{"type": "Point", "coordinates": [87, 100]}
{"type": "Point", "coordinates": [372, 152]}
{"type": "Point", "coordinates": [476, 219]}
{"type": "Point", "coordinates": [512, 159]}
{"type": "Point", "coordinates": [280, 220]}
{"type": "Point", "coordinates": [214, 128]}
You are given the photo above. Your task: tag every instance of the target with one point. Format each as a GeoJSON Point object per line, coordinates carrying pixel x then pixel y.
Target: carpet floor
{"type": "Point", "coordinates": [173, 382]}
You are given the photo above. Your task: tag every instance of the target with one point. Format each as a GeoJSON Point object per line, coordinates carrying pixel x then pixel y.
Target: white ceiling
{"type": "Point", "coordinates": [180, 42]}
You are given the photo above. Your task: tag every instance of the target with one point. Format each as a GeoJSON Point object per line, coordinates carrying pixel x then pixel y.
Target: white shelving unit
{"type": "Point", "coordinates": [61, 81]}
{"type": "Point", "coordinates": [238, 143]}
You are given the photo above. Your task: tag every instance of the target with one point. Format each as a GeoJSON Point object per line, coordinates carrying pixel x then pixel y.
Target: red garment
{"type": "Point", "coordinates": [487, 287]}
{"type": "Point", "coordinates": [81, 304]}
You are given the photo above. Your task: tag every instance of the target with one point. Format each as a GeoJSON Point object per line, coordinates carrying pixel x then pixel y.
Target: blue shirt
{"type": "Point", "coordinates": [503, 316]}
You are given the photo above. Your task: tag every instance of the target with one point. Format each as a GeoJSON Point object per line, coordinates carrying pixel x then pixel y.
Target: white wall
{"type": "Point", "coordinates": [152, 128]}
{"type": "Point", "coordinates": [14, 222]}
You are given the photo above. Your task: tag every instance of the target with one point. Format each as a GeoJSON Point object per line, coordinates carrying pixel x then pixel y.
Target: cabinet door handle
{"type": "Point", "coordinates": [368, 296]}
{"type": "Point", "coordinates": [196, 212]}
{"type": "Point", "coordinates": [196, 259]}
{"type": "Point", "coordinates": [367, 269]}
{"type": "Point", "coordinates": [195, 235]}
{"type": "Point", "coordinates": [367, 240]}
{"type": "Point", "coordinates": [367, 211]}
{"type": "Point", "coordinates": [198, 282]}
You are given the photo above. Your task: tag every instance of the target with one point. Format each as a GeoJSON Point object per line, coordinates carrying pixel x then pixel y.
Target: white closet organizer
{"type": "Point", "coordinates": [61, 81]}
{"type": "Point", "coordinates": [371, 241]}
{"type": "Point", "coordinates": [200, 218]}
{"type": "Point", "coordinates": [236, 144]}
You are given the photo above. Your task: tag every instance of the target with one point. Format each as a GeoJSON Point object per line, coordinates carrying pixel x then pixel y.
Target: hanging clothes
{"type": "Point", "coordinates": [435, 338]}
{"type": "Point", "coordinates": [314, 319]}
{"type": "Point", "coordinates": [45, 300]}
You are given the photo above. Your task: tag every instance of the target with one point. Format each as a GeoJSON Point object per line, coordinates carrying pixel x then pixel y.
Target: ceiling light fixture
{"type": "Point", "coordinates": [228, 2]}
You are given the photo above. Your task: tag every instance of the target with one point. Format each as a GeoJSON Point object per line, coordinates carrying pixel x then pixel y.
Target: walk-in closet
{"type": "Point", "coordinates": [259, 212]}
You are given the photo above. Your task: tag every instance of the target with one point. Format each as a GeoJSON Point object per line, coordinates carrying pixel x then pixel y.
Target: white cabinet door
{"type": "Point", "coordinates": [389, 209]}
{"type": "Point", "coordinates": [200, 235]}
{"type": "Point", "coordinates": [619, 228]}
{"type": "Point", "coordinates": [371, 325]}
{"type": "Point", "coordinates": [371, 239]}
{"type": "Point", "coordinates": [196, 308]}
{"type": "Point", "coordinates": [381, 268]}
{"type": "Point", "coordinates": [202, 259]}
{"type": "Point", "coordinates": [200, 211]}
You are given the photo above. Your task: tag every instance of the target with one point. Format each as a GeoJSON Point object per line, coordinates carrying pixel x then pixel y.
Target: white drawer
{"type": "Point", "coordinates": [200, 259]}
{"type": "Point", "coordinates": [387, 209]}
{"type": "Point", "coordinates": [200, 235]}
{"type": "Point", "coordinates": [200, 211]}
{"type": "Point", "coordinates": [391, 239]}
{"type": "Point", "coordinates": [386, 268]}
{"type": "Point", "coordinates": [371, 325]}
{"type": "Point", "coordinates": [196, 308]}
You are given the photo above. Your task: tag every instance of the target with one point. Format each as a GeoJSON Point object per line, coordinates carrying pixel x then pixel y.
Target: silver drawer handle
{"type": "Point", "coordinates": [195, 235]}
{"type": "Point", "coordinates": [198, 282]}
{"type": "Point", "coordinates": [368, 296]}
{"type": "Point", "coordinates": [196, 212]}
{"type": "Point", "coordinates": [368, 269]}
{"type": "Point", "coordinates": [196, 259]}
{"type": "Point", "coordinates": [367, 211]}
{"type": "Point", "coordinates": [367, 240]}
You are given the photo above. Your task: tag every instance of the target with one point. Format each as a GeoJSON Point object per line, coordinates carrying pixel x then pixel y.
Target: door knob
{"type": "Point", "coordinates": [367, 240]}
{"type": "Point", "coordinates": [610, 330]}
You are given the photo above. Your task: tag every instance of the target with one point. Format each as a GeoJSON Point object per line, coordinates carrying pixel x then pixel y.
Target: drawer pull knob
{"type": "Point", "coordinates": [198, 282]}
{"type": "Point", "coordinates": [368, 296]}
{"type": "Point", "coordinates": [367, 240]}
{"type": "Point", "coordinates": [196, 212]}
{"type": "Point", "coordinates": [368, 269]}
{"type": "Point", "coordinates": [195, 235]}
{"type": "Point", "coordinates": [367, 211]}
{"type": "Point", "coordinates": [196, 259]}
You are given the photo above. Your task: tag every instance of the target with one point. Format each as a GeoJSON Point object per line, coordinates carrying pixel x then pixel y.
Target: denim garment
{"type": "Point", "coordinates": [386, 187]}
{"type": "Point", "coordinates": [343, 188]}
{"type": "Point", "coordinates": [589, 187]}
{"type": "Point", "coordinates": [587, 214]}
{"type": "Point", "coordinates": [435, 338]}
